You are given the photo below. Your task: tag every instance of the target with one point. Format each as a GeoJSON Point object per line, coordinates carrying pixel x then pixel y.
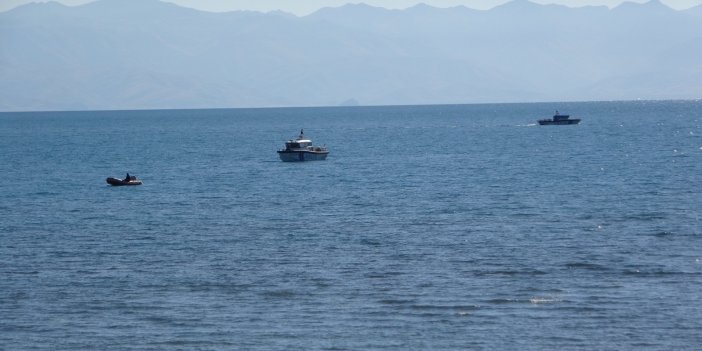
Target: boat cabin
{"type": "Point", "coordinates": [297, 144]}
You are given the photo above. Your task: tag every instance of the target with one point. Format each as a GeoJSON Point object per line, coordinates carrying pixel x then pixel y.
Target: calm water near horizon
{"type": "Point", "coordinates": [428, 227]}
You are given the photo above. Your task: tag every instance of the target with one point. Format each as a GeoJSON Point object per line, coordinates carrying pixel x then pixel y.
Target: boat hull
{"type": "Point", "coordinates": [298, 156]}
{"type": "Point", "coordinates": [120, 182]}
{"type": "Point", "coordinates": [548, 122]}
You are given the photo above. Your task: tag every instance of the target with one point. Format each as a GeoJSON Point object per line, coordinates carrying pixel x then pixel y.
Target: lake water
{"type": "Point", "coordinates": [427, 227]}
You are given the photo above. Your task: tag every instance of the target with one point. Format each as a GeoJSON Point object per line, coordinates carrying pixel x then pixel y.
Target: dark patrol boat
{"type": "Point", "coordinates": [301, 149]}
{"type": "Point", "coordinates": [559, 119]}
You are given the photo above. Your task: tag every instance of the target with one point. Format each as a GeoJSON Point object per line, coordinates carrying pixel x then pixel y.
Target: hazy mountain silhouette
{"type": "Point", "coordinates": [131, 54]}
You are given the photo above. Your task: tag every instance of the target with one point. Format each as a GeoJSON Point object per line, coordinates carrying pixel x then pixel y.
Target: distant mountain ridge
{"type": "Point", "coordinates": [117, 54]}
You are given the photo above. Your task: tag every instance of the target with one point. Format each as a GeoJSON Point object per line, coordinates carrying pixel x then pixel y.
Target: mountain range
{"type": "Point", "coordinates": [147, 54]}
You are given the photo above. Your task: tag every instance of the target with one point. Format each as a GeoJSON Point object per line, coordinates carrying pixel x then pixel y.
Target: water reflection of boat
{"type": "Point", "coordinates": [301, 149]}
{"type": "Point", "coordinates": [559, 119]}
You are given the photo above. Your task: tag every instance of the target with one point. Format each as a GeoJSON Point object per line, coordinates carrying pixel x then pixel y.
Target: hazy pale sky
{"type": "Point", "coordinates": [304, 7]}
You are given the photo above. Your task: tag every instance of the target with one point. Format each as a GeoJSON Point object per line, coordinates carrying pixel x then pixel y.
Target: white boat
{"type": "Point", "coordinates": [301, 149]}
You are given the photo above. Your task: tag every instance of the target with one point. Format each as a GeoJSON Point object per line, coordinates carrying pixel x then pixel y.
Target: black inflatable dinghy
{"type": "Point", "coordinates": [119, 182]}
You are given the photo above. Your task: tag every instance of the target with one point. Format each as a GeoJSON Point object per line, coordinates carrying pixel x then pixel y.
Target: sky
{"type": "Point", "coordinates": [304, 7]}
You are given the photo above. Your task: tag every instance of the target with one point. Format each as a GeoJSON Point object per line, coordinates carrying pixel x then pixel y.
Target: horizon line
{"type": "Point", "coordinates": [359, 3]}
{"type": "Point", "coordinates": [357, 106]}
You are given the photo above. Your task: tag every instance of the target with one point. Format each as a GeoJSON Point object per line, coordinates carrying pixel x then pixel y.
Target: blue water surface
{"type": "Point", "coordinates": [428, 227]}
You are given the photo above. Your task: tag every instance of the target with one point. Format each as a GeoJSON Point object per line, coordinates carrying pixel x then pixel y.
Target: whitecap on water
{"type": "Point", "coordinates": [543, 300]}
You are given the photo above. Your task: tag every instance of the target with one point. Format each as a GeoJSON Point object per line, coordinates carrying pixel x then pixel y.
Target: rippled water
{"type": "Point", "coordinates": [434, 227]}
